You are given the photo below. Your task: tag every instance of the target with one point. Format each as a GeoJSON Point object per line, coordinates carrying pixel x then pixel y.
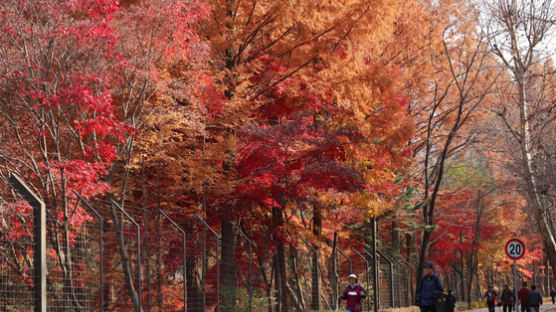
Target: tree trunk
{"type": "Point", "coordinates": [473, 261]}
{"type": "Point", "coordinates": [229, 280]}
{"type": "Point", "coordinates": [283, 277]}
{"type": "Point", "coordinates": [462, 263]}
{"type": "Point", "coordinates": [204, 255]}
{"type": "Point", "coordinates": [333, 273]}
{"type": "Point", "coordinates": [297, 294]}
{"type": "Point", "coordinates": [159, 262]}
{"type": "Point", "coordinates": [395, 236]}
{"type": "Point", "coordinates": [146, 254]}
{"type": "Point", "coordinates": [423, 253]}
{"type": "Point", "coordinates": [277, 283]}
{"type": "Point", "coordinates": [478, 292]}
{"type": "Point", "coordinates": [126, 266]}
{"type": "Point", "coordinates": [315, 286]}
{"type": "Point", "coordinates": [544, 221]}
{"type": "Point", "coordinates": [194, 282]}
{"type": "Point", "coordinates": [281, 280]}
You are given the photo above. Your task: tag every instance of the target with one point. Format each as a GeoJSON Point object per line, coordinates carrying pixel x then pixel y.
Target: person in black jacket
{"type": "Point", "coordinates": [490, 296]}
{"type": "Point", "coordinates": [451, 301]}
{"type": "Point", "coordinates": [429, 290]}
{"type": "Point", "coordinates": [553, 295]}
{"type": "Point", "coordinates": [534, 299]}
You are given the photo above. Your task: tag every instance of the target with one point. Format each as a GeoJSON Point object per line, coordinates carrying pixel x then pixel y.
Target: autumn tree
{"type": "Point", "coordinates": [59, 129]}
{"type": "Point", "coordinates": [470, 189]}
{"type": "Point", "coordinates": [520, 33]}
{"type": "Point", "coordinates": [301, 39]}
{"type": "Point", "coordinates": [463, 81]}
{"type": "Point", "coordinates": [162, 55]}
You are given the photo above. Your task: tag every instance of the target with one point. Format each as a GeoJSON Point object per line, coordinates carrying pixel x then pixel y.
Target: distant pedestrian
{"type": "Point", "coordinates": [451, 301]}
{"type": "Point", "coordinates": [507, 298]}
{"type": "Point", "coordinates": [522, 296]}
{"type": "Point", "coordinates": [490, 296]}
{"type": "Point", "coordinates": [553, 295]}
{"type": "Point", "coordinates": [353, 294]}
{"type": "Point", "coordinates": [429, 290]}
{"type": "Point", "coordinates": [534, 299]}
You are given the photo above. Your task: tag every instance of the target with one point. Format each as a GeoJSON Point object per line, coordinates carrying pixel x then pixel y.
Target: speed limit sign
{"type": "Point", "coordinates": [515, 249]}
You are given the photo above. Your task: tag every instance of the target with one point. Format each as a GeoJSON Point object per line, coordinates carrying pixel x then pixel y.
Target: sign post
{"type": "Point", "coordinates": [515, 249]}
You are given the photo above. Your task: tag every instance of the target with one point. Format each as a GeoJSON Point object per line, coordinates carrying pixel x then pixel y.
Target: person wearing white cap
{"type": "Point", "coordinates": [353, 294]}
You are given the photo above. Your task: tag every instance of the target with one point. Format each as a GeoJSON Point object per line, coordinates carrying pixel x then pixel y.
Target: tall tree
{"type": "Point", "coordinates": [520, 33]}
{"type": "Point", "coordinates": [465, 78]}
{"type": "Point", "coordinates": [163, 56]}
{"type": "Point", "coordinates": [300, 39]}
{"type": "Point", "coordinates": [59, 129]}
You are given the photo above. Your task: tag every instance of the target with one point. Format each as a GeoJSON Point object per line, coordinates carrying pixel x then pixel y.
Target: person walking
{"type": "Point", "coordinates": [490, 296]}
{"type": "Point", "coordinates": [353, 294]}
{"type": "Point", "coordinates": [553, 295]}
{"type": "Point", "coordinates": [507, 298]}
{"type": "Point", "coordinates": [429, 290]}
{"type": "Point", "coordinates": [451, 301]}
{"type": "Point", "coordinates": [534, 299]}
{"type": "Point", "coordinates": [522, 295]}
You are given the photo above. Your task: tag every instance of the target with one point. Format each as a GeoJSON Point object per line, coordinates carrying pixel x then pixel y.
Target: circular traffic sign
{"type": "Point", "coordinates": [515, 249]}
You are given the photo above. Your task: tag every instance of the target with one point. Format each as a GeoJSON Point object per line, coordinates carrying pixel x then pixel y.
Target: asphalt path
{"type": "Point", "coordinates": [548, 307]}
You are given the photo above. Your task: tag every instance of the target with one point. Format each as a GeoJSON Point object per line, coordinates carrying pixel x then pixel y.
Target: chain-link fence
{"type": "Point", "coordinates": [104, 256]}
{"type": "Point", "coordinates": [74, 258]}
{"type": "Point", "coordinates": [16, 252]}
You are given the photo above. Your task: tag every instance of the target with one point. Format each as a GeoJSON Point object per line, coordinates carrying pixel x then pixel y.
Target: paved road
{"type": "Point", "coordinates": [545, 308]}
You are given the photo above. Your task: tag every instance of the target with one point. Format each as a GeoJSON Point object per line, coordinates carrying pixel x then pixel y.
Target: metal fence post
{"type": "Point", "coordinates": [376, 264]}
{"type": "Point", "coordinates": [138, 251]}
{"type": "Point", "coordinates": [184, 237]}
{"type": "Point", "coordinates": [101, 254]}
{"type": "Point", "coordinates": [250, 244]}
{"type": "Point", "coordinates": [39, 235]}
{"type": "Point", "coordinates": [409, 292]}
{"type": "Point", "coordinates": [391, 277]}
{"type": "Point", "coordinates": [315, 293]}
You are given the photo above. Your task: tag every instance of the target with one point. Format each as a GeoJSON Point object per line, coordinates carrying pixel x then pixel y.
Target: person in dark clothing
{"type": "Point", "coordinates": [429, 290]}
{"type": "Point", "coordinates": [490, 296]}
{"type": "Point", "coordinates": [553, 295]}
{"type": "Point", "coordinates": [353, 294]}
{"type": "Point", "coordinates": [507, 298]}
{"type": "Point", "coordinates": [534, 299]}
{"type": "Point", "coordinates": [451, 301]}
{"type": "Point", "coordinates": [522, 296]}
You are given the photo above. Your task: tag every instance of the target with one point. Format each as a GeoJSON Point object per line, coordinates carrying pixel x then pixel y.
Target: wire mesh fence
{"type": "Point", "coordinates": [203, 269]}
{"type": "Point", "coordinates": [124, 246]}
{"type": "Point", "coordinates": [405, 275]}
{"type": "Point", "coordinates": [341, 266]}
{"type": "Point", "coordinates": [243, 267]}
{"type": "Point", "coordinates": [103, 256]}
{"type": "Point", "coordinates": [301, 262]}
{"type": "Point", "coordinates": [73, 259]}
{"type": "Point", "coordinates": [16, 252]}
{"type": "Point", "coordinates": [171, 266]}
{"type": "Point", "coordinates": [385, 288]}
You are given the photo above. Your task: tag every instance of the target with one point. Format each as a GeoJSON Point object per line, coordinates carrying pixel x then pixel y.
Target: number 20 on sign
{"type": "Point", "coordinates": [515, 249]}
